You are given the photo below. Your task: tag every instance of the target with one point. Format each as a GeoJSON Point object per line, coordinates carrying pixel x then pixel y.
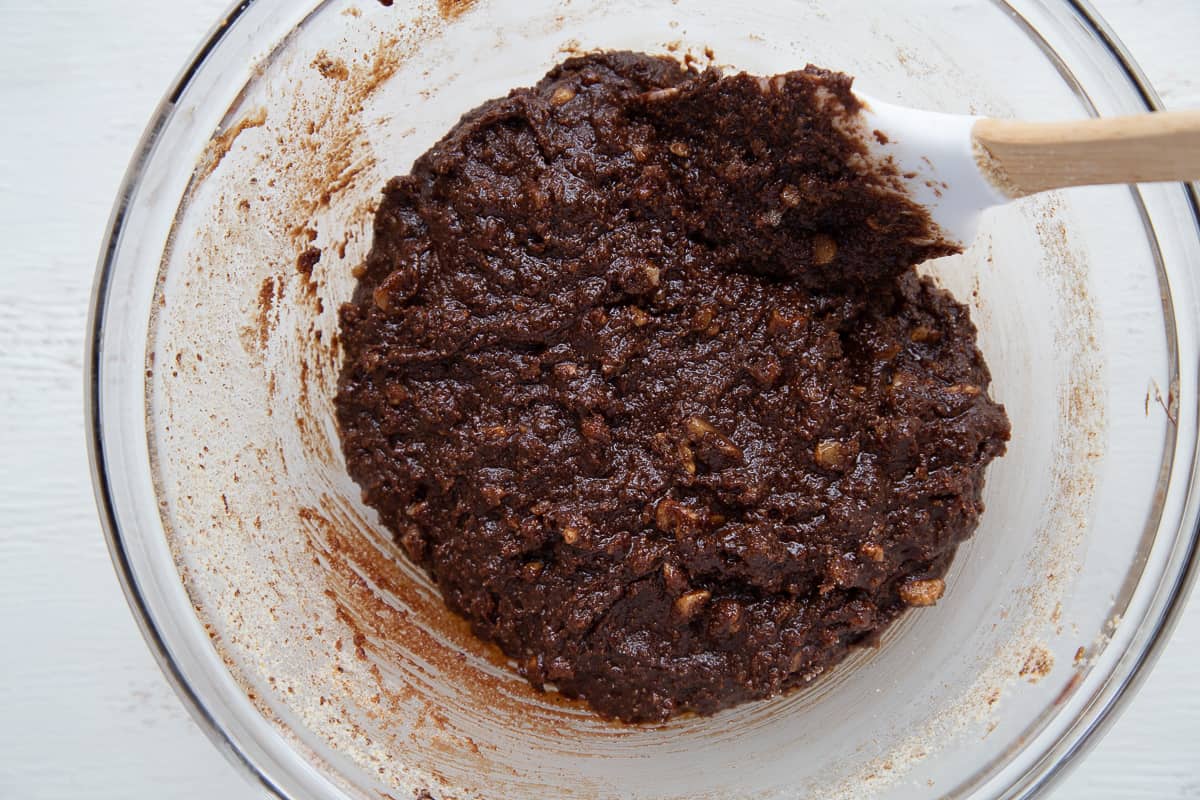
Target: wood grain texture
{"type": "Point", "coordinates": [1023, 158]}
{"type": "Point", "coordinates": [86, 713]}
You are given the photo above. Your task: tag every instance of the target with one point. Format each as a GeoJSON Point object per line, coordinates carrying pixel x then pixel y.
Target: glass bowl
{"type": "Point", "coordinates": [326, 666]}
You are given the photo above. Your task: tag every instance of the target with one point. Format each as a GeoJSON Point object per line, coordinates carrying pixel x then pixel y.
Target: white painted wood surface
{"type": "Point", "coordinates": [84, 712]}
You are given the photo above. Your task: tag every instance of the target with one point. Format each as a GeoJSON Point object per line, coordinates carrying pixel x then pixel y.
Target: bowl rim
{"type": "Point", "coordinates": [1092, 722]}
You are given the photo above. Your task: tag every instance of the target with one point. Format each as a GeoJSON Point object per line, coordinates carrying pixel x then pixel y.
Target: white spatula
{"type": "Point", "coordinates": [957, 166]}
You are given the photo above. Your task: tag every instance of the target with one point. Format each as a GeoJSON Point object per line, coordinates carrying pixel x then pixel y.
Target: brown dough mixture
{"type": "Point", "coordinates": [639, 370]}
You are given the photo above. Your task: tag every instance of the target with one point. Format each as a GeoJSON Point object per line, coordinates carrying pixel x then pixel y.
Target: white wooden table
{"type": "Point", "coordinates": [84, 712]}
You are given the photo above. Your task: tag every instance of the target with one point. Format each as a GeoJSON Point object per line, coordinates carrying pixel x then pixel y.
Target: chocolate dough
{"type": "Point", "coordinates": [639, 370]}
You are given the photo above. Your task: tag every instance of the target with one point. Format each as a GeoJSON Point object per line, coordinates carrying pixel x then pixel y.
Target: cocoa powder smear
{"type": "Point", "coordinates": [639, 370]}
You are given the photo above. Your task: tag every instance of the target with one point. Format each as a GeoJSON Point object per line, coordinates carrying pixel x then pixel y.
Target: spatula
{"type": "Point", "coordinates": [957, 166]}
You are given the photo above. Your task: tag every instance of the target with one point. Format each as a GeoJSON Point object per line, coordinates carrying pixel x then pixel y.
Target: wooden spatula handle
{"type": "Point", "coordinates": [1021, 158]}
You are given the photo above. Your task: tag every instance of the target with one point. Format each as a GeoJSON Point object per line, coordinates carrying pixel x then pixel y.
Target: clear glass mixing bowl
{"type": "Point", "coordinates": [326, 666]}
